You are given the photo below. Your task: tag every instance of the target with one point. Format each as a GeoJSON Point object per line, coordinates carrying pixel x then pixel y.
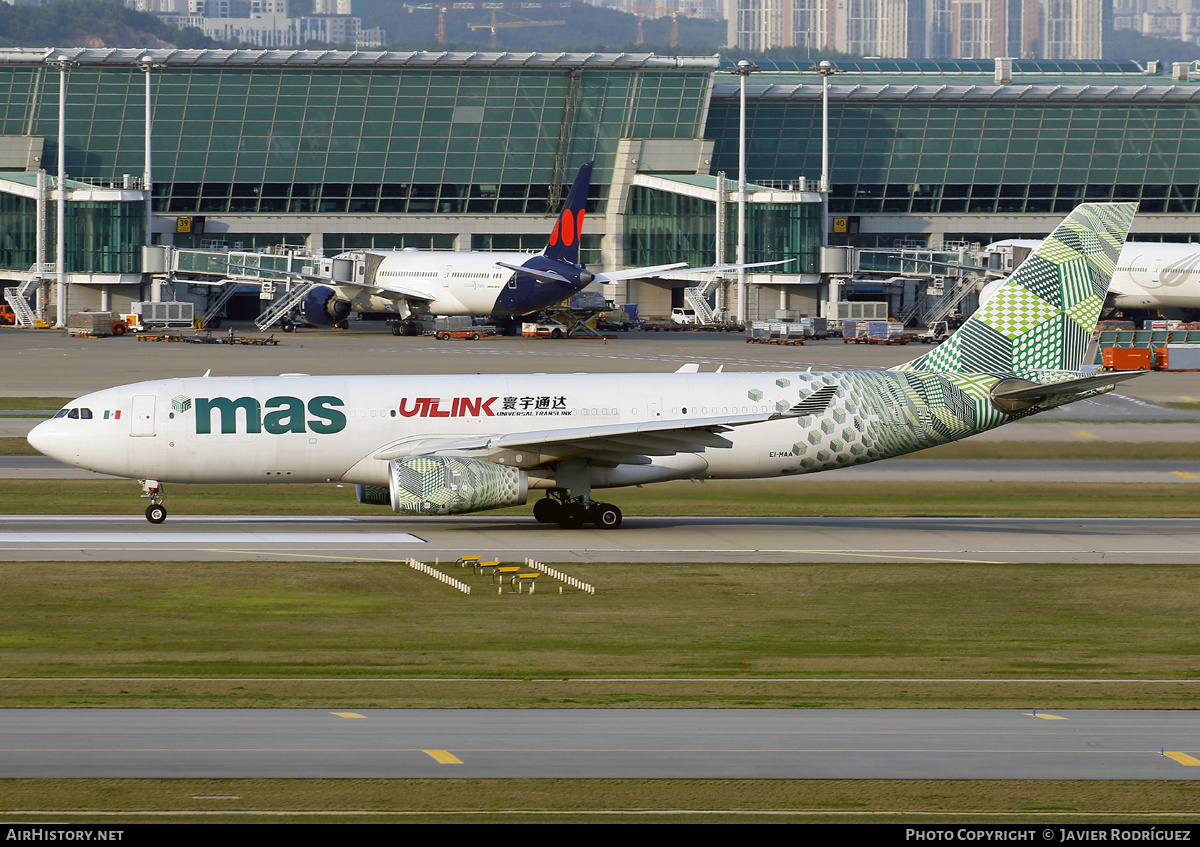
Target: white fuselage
{"type": "Point", "coordinates": [455, 283]}
{"type": "Point", "coordinates": [1148, 275]}
{"type": "Point", "coordinates": [332, 429]}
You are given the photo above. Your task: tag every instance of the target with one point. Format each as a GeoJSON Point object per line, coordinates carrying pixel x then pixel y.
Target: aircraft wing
{"type": "Point", "coordinates": [385, 290]}
{"type": "Point", "coordinates": [677, 269]}
{"type": "Point", "coordinates": [613, 444]}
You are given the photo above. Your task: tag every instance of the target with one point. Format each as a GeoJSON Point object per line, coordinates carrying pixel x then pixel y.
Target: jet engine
{"type": "Point", "coordinates": [445, 485]}
{"type": "Point", "coordinates": [323, 307]}
{"type": "Point", "coordinates": [373, 495]}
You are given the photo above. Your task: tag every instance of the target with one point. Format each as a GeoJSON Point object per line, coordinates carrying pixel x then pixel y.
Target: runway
{"type": "Point", "coordinates": [598, 744]}
{"type": "Point", "coordinates": [640, 539]}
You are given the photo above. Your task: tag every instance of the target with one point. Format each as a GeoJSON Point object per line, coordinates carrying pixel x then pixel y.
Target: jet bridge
{"type": "Point", "coordinates": [927, 284]}
{"type": "Point", "coordinates": [228, 270]}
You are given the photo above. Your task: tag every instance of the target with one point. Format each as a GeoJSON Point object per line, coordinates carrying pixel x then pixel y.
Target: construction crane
{"type": "Point", "coordinates": [443, 5]}
{"type": "Point", "coordinates": [659, 9]}
{"type": "Point", "coordinates": [506, 24]}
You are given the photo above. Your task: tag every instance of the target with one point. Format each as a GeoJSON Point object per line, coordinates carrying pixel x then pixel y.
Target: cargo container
{"type": "Point", "coordinates": [1126, 359]}
{"type": "Point", "coordinates": [1178, 357]}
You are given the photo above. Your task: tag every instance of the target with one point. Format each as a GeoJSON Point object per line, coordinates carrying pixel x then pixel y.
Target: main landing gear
{"type": "Point", "coordinates": [574, 512]}
{"type": "Point", "coordinates": [156, 512]}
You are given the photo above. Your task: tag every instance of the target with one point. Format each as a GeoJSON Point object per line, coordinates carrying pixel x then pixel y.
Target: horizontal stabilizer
{"type": "Point", "coordinates": [540, 274]}
{"type": "Point", "coordinates": [1015, 395]}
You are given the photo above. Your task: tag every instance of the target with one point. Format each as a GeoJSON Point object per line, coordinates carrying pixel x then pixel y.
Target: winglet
{"type": "Point", "coordinates": [564, 240]}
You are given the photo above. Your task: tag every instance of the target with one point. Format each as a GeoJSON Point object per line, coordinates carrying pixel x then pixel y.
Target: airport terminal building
{"type": "Point", "coordinates": [335, 151]}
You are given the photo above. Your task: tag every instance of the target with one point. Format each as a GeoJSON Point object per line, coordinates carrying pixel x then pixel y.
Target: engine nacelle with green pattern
{"type": "Point", "coordinates": [445, 485]}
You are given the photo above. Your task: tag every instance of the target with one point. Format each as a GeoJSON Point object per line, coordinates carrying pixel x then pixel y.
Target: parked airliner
{"type": "Point", "coordinates": [411, 283]}
{"type": "Point", "coordinates": [438, 445]}
{"type": "Point", "coordinates": [1149, 276]}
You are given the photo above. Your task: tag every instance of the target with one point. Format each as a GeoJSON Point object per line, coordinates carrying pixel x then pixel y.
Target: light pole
{"type": "Point", "coordinates": [826, 70]}
{"type": "Point", "coordinates": [744, 69]}
{"type": "Point", "coordinates": [60, 199]}
{"type": "Point", "coordinates": [147, 174]}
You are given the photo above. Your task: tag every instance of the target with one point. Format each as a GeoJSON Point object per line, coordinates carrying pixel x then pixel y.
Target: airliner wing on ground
{"type": "Point", "coordinates": [412, 283]}
{"type": "Point", "coordinates": [441, 445]}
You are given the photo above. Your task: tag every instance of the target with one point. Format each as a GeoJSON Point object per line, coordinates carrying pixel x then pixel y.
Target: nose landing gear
{"type": "Point", "coordinates": [156, 512]}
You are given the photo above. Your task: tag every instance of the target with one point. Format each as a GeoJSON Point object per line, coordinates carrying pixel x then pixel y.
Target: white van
{"type": "Point", "coordinates": [684, 316]}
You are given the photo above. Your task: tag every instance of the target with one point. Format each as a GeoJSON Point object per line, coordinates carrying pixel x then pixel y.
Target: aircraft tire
{"type": "Point", "coordinates": [571, 516]}
{"type": "Point", "coordinates": [606, 516]}
{"type": "Point", "coordinates": [156, 513]}
{"type": "Point", "coordinates": [397, 329]}
{"type": "Point", "coordinates": [546, 510]}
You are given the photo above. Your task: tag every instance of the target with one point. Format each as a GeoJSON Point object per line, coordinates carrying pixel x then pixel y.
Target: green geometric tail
{"type": "Point", "coordinates": [1043, 316]}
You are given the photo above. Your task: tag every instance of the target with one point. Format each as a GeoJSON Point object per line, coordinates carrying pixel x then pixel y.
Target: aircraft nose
{"type": "Point", "coordinates": [46, 439]}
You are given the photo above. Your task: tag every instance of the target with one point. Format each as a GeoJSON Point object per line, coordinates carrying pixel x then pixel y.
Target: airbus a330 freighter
{"type": "Point", "coordinates": [438, 445]}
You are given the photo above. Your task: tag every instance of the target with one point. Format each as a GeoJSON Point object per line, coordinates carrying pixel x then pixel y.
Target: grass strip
{"type": "Point", "coordinates": [360, 635]}
{"type": "Point", "coordinates": [793, 497]}
{"type": "Point", "coordinates": [1099, 451]}
{"type": "Point", "coordinates": [33, 403]}
{"type": "Point", "coordinates": [602, 800]}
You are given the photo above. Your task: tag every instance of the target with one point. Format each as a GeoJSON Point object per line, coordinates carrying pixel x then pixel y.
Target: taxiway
{"type": "Point", "coordinates": [640, 539]}
{"type": "Point", "coordinates": [592, 743]}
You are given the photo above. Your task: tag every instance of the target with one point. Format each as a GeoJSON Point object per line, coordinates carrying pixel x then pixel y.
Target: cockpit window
{"type": "Point", "coordinates": [73, 414]}
{"type": "Point", "coordinates": [62, 413]}
{"type": "Point", "coordinates": [85, 414]}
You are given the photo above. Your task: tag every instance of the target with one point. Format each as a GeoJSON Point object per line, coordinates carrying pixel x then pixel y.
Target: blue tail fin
{"type": "Point", "coordinates": [564, 241]}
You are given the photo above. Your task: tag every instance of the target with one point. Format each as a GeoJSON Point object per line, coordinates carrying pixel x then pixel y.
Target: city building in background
{"type": "Point", "coordinates": [1175, 19]}
{"type": "Point", "coordinates": [265, 23]}
{"type": "Point", "coordinates": [924, 29]}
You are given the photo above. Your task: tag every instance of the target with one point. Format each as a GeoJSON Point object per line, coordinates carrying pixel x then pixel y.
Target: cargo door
{"type": "Point", "coordinates": [142, 421]}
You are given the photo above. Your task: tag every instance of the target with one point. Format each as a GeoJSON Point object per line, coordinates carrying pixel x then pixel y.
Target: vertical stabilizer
{"type": "Point", "coordinates": [1043, 316]}
{"type": "Point", "coordinates": [564, 240]}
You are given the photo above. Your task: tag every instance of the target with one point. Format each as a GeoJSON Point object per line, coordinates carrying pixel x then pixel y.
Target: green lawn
{"type": "Point", "coordinates": [343, 634]}
{"type": "Point", "coordinates": [931, 801]}
{"type": "Point", "coordinates": [13, 404]}
{"type": "Point", "coordinates": [790, 497]}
